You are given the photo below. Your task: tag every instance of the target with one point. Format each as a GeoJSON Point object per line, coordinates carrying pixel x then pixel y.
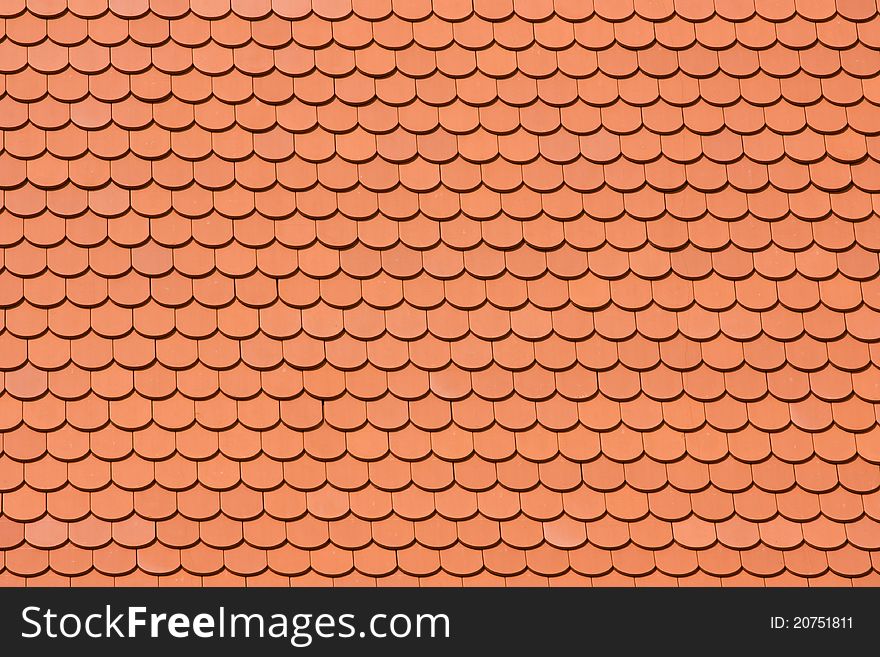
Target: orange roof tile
{"type": "Point", "coordinates": [473, 293]}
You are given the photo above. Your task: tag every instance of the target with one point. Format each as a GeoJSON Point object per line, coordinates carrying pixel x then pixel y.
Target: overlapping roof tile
{"type": "Point", "coordinates": [470, 292]}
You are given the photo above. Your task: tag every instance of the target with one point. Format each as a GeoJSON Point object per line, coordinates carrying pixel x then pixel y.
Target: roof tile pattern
{"type": "Point", "coordinates": [454, 292]}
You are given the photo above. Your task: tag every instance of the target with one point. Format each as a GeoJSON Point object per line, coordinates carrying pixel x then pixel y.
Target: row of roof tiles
{"type": "Point", "coordinates": [397, 533]}
{"type": "Point", "coordinates": [173, 159]}
{"type": "Point", "coordinates": [453, 10]}
{"type": "Point", "coordinates": [621, 377]}
{"type": "Point", "coordinates": [472, 392]}
{"type": "Point", "coordinates": [443, 204]}
{"type": "Point", "coordinates": [475, 454]}
{"type": "Point", "coordinates": [433, 413]}
{"type": "Point", "coordinates": [263, 340]}
{"type": "Point", "coordinates": [383, 277]}
{"type": "Point", "coordinates": [228, 578]}
{"type": "Point", "coordinates": [514, 316]}
{"type": "Point", "coordinates": [820, 181]}
{"type": "Point", "coordinates": [593, 277]}
{"type": "Point", "coordinates": [372, 566]}
{"type": "Point", "coordinates": [739, 117]}
{"type": "Point", "coordinates": [692, 246]}
{"type": "Point", "coordinates": [834, 464]}
{"type": "Point", "coordinates": [492, 61]}
{"type": "Point", "coordinates": [722, 343]}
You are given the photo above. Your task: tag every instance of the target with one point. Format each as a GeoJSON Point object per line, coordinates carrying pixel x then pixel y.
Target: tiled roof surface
{"type": "Point", "coordinates": [371, 292]}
